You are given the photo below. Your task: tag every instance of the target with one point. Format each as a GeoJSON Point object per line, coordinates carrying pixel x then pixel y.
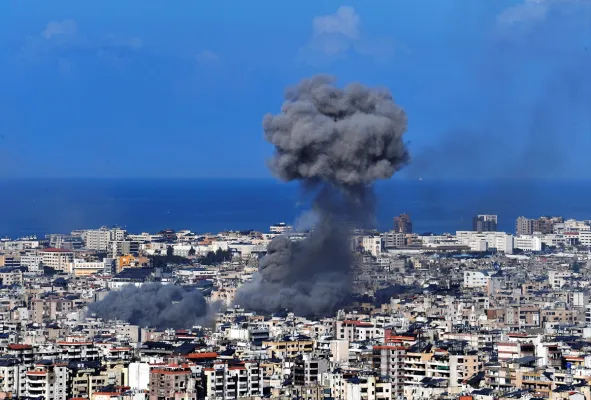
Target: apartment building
{"type": "Point", "coordinates": [359, 387]}
{"type": "Point", "coordinates": [78, 350]}
{"type": "Point", "coordinates": [307, 369]}
{"type": "Point", "coordinates": [528, 243]}
{"type": "Point", "coordinates": [288, 348]}
{"type": "Point", "coordinates": [402, 224]}
{"type": "Point", "coordinates": [58, 259]}
{"type": "Point", "coordinates": [87, 378]}
{"type": "Point", "coordinates": [393, 239]}
{"type": "Point", "coordinates": [49, 308]}
{"type": "Point", "coordinates": [484, 223]}
{"type": "Point", "coordinates": [48, 381]}
{"type": "Point", "coordinates": [354, 330]}
{"type": "Point", "coordinates": [280, 228]}
{"type": "Point", "coordinates": [13, 376]}
{"type": "Point", "coordinates": [31, 260]}
{"type": "Point", "coordinates": [476, 279]}
{"type": "Point", "coordinates": [389, 361]}
{"type": "Point", "coordinates": [172, 382]}
{"type": "Point", "coordinates": [372, 244]}
{"type": "Point", "coordinates": [524, 226]}
{"type": "Point", "coordinates": [233, 380]}
{"type": "Point", "coordinates": [11, 276]}
{"type": "Point", "coordinates": [98, 239]}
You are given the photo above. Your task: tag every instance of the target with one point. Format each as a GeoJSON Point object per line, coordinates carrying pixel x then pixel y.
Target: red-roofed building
{"type": "Point", "coordinates": [391, 337]}
{"type": "Point", "coordinates": [48, 381]}
{"type": "Point", "coordinates": [200, 358]}
{"type": "Point", "coordinates": [354, 330]}
{"type": "Point", "coordinates": [389, 361]}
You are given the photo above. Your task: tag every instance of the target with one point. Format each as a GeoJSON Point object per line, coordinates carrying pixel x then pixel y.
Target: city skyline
{"type": "Point", "coordinates": [105, 313]}
{"type": "Point", "coordinates": [376, 200]}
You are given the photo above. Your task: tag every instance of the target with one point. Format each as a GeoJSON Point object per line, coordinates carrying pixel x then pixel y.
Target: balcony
{"type": "Point", "coordinates": [34, 392]}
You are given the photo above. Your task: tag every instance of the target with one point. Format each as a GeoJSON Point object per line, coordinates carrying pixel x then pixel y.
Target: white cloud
{"type": "Point", "coordinates": [114, 41]}
{"type": "Point", "coordinates": [535, 11]}
{"type": "Point", "coordinates": [56, 28]}
{"type": "Point", "coordinates": [345, 22]}
{"type": "Point", "coordinates": [62, 42]}
{"type": "Point", "coordinates": [339, 35]}
{"type": "Point", "coordinates": [207, 57]}
{"type": "Point", "coordinates": [530, 10]}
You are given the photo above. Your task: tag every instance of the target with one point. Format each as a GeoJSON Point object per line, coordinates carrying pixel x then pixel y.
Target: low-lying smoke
{"type": "Point", "coordinates": [153, 305]}
{"type": "Point", "coordinates": [336, 143]}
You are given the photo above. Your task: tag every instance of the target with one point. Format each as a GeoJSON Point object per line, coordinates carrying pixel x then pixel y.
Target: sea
{"type": "Point", "coordinates": [43, 206]}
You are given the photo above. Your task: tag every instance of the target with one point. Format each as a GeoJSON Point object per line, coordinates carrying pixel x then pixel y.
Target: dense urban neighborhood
{"type": "Point", "coordinates": [478, 314]}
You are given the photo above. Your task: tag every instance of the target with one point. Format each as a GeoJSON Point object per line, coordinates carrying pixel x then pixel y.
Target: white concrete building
{"type": "Point", "coordinates": [557, 239]}
{"type": "Point", "coordinates": [182, 250]}
{"type": "Point", "coordinates": [476, 279]}
{"type": "Point", "coordinates": [558, 279]}
{"type": "Point", "coordinates": [14, 377]}
{"type": "Point", "coordinates": [31, 260]}
{"type": "Point", "coordinates": [572, 225]}
{"type": "Point", "coordinates": [528, 243]}
{"type": "Point", "coordinates": [48, 382]}
{"type": "Point", "coordinates": [196, 273]}
{"type": "Point", "coordinates": [480, 244]}
{"type": "Point", "coordinates": [280, 228]}
{"type": "Point", "coordinates": [246, 249]}
{"type": "Point", "coordinates": [58, 259]}
{"type": "Point", "coordinates": [80, 267]}
{"type": "Point", "coordinates": [373, 244]}
{"type": "Point", "coordinates": [139, 376]}
{"type": "Point", "coordinates": [584, 238]}
{"type": "Point", "coordinates": [98, 239]}
{"type": "Point", "coordinates": [500, 241]}
{"type": "Point", "coordinates": [20, 245]}
{"type": "Point", "coordinates": [365, 388]}
{"type": "Point", "coordinates": [352, 330]}
{"type": "Point", "coordinates": [221, 381]}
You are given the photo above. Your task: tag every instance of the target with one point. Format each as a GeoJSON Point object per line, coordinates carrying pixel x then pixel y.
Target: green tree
{"type": "Point", "coordinates": [218, 257]}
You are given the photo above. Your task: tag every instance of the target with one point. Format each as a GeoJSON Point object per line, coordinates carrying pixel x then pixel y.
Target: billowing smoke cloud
{"type": "Point", "coordinates": [336, 143]}
{"type": "Point", "coordinates": [153, 305]}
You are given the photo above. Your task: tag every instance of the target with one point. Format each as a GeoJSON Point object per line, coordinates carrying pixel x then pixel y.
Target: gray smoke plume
{"type": "Point", "coordinates": [525, 83]}
{"type": "Point", "coordinates": [336, 143]}
{"type": "Point", "coordinates": [153, 305]}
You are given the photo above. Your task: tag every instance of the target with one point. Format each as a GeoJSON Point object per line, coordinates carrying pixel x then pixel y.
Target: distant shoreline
{"type": "Point", "coordinates": [59, 205]}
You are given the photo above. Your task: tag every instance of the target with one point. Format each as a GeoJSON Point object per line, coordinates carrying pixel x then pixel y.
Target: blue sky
{"type": "Point", "coordinates": [143, 88]}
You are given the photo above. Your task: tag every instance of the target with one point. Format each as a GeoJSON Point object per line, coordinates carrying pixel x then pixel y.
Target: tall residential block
{"type": "Point", "coordinates": [403, 224]}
